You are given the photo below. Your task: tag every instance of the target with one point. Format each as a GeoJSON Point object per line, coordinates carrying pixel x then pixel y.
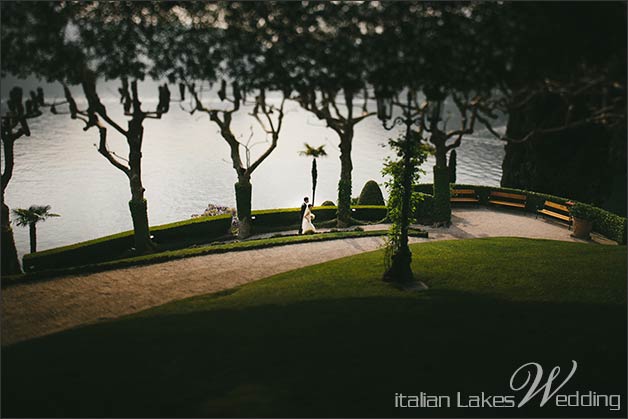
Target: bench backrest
{"type": "Point", "coordinates": [463, 192]}
{"type": "Point", "coordinates": [554, 205]}
{"type": "Point", "coordinates": [508, 195]}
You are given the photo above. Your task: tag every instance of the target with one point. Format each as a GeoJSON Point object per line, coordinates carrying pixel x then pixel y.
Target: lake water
{"type": "Point", "coordinates": [186, 166]}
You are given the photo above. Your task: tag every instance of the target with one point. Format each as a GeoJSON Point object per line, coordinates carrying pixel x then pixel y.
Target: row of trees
{"type": "Point", "coordinates": [341, 61]}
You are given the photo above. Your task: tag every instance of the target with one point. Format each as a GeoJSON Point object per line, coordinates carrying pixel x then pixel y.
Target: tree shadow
{"type": "Point", "coordinates": [331, 357]}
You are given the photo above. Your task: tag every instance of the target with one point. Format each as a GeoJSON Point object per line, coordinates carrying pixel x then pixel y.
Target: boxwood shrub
{"type": "Point", "coordinates": [286, 218]}
{"type": "Point", "coordinates": [371, 194]}
{"type": "Point", "coordinates": [369, 212]}
{"type": "Point", "coordinates": [424, 209]}
{"type": "Point", "coordinates": [604, 222]}
{"type": "Point", "coordinates": [179, 234]}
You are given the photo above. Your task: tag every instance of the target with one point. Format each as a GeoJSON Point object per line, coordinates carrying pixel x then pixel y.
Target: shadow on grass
{"type": "Point", "coordinates": [331, 357]}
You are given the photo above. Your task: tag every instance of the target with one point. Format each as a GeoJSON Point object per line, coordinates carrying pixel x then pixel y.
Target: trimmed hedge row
{"type": "Point", "coordinates": [180, 234]}
{"type": "Point", "coordinates": [273, 219]}
{"type": "Point", "coordinates": [606, 223]}
{"type": "Point", "coordinates": [194, 231]}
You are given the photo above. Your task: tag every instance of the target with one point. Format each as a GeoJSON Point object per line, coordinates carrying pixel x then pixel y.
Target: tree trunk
{"type": "Point", "coordinates": [344, 185]}
{"type": "Point", "coordinates": [314, 179]}
{"type": "Point", "coordinates": [243, 190]}
{"type": "Point", "coordinates": [138, 204]}
{"type": "Point", "coordinates": [32, 230]}
{"type": "Point", "coordinates": [10, 261]}
{"type": "Point", "coordinates": [442, 204]}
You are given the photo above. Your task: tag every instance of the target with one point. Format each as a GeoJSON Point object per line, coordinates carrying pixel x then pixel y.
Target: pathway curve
{"type": "Point", "coordinates": [40, 308]}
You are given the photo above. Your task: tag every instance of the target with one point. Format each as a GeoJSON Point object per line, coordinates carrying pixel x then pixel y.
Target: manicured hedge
{"type": "Point", "coordinates": [424, 209]}
{"type": "Point", "coordinates": [606, 223]}
{"type": "Point", "coordinates": [194, 231]}
{"type": "Point", "coordinates": [197, 230]}
{"type": "Point", "coordinates": [441, 205]}
{"type": "Point", "coordinates": [371, 194]}
{"type": "Point", "coordinates": [369, 212]}
{"type": "Point", "coordinates": [273, 219]}
{"type": "Point", "coordinates": [285, 218]}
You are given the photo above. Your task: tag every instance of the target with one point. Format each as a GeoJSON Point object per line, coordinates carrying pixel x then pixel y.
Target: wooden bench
{"type": "Point", "coordinates": [507, 199]}
{"type": "Point", "coordinates": [552, 209]}
{"type": "Point", "coordinates": [464, 195]}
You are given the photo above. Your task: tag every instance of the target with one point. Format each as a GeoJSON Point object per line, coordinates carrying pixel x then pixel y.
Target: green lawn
{"type": "Point", "coordinates": [334, 340]}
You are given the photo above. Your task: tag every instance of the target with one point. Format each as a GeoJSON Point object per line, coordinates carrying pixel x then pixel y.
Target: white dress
{"type": "Point", "coordinates": [306, 224]}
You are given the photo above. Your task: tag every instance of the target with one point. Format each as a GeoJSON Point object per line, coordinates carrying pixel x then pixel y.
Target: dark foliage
{"type": "Point", "coordinates": [371, 194]}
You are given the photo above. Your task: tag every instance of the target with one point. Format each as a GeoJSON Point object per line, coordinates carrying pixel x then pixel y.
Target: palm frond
{"type": "Point", "coordinates": [34, 214]}
{"type": "Point", "coordinates": [313, 151]}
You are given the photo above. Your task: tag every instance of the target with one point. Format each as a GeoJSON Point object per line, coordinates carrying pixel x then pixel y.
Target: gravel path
{"type": "Point", "coordinates": [40, 308]}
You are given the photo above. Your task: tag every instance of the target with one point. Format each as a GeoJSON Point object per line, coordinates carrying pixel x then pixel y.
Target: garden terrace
{"type": "Point", "coordinates": [605, 223]}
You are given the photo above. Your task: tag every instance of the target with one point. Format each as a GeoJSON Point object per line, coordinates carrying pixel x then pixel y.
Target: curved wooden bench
{"type": "Point", "coordinates": [507, 199]}
{"type": "Point", "coordinates": [464, 195]}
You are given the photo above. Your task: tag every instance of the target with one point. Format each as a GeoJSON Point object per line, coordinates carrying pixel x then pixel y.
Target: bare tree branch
{"type": "Point", "coordinates": [275, 137]}
{"type": "Point", "coordinates": [102, 149]}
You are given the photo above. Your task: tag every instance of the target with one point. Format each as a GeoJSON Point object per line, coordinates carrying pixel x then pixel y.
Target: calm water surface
{"type": "Point", "coordinates": [186, 166]}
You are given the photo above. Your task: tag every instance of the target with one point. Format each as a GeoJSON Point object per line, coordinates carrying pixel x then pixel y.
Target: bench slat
{"type": "Point", "coordinates": [463, 192]}
{"type": "Point", "coordinates": [510, 204]}
{"type": "Point", "coordinates": [557, 206]}
{"type": "Point", "coordinates": [555, 215]}
{"type": "Point", "coordinates": [454, 199]}
{"type": "Point", "coordinates": [508, 195]}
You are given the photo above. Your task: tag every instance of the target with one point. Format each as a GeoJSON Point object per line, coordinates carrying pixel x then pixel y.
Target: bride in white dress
{"type": "Point", "coordinates": [306, 224]}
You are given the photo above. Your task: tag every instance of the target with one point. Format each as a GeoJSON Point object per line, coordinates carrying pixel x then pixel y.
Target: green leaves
{"type": "Point", "coordinates": [33, 215]}
{"type": "Point", "coordinates": [315, 152]}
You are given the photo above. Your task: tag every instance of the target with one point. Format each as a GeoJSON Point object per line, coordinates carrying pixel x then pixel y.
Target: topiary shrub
{"type": "Point", "coordinates": [441, 206]}
{"type": "Point", "coordinates": [371, 194]}
{"type": "Point", "coordinates": [328, 204]}
{"type": "Point", "coordinates": [424, 209]}
{"type": "Point", "coordinates": [452, 166]}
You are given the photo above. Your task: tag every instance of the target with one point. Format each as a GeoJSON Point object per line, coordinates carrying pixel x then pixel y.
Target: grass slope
{"type": "Point", "coordinates": [334, 340]}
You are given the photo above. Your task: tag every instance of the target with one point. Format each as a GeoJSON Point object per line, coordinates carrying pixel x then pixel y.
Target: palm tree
{"type": "Point", "coordinates": [314, 152]}
{"type": "Point", "coordinates": [30, 217]}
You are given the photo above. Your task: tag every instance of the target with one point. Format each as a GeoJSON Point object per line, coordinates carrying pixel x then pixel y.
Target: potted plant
{"type": "Point", "coordinates": [582, 215]}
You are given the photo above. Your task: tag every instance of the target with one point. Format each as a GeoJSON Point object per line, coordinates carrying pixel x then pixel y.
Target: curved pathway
{"type": "Point", "coordinates": [40, 308]}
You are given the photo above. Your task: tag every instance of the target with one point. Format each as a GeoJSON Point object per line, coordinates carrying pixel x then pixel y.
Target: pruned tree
{"type": "Point", "coordinates": [71, 43]}
{"type": "Point", "coordinates": [14, 127]}
{"type": "Point", "coordinates": [96, 116]}
{"type": "Point", "coordinates": [200, 46]}
{"type": "Point", "coordinates": [318, 51]}
{"type": "Point", "coordinates": [263, 113]}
